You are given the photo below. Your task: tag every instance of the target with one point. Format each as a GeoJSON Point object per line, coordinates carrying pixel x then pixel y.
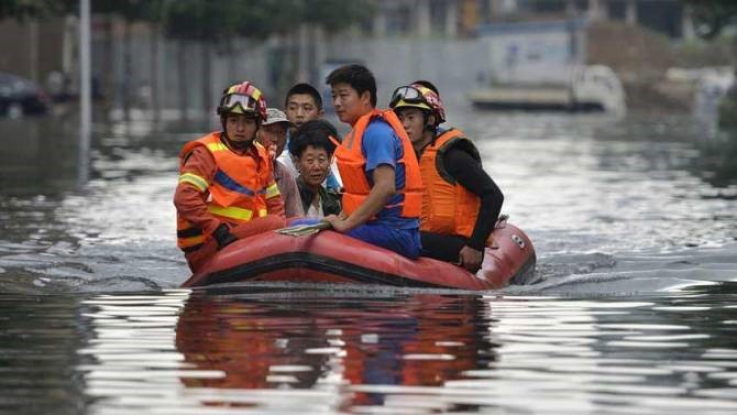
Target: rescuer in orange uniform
{"type": "Point", "coordinates": [460, 203]}
{"type": "Point", "coordinates": [226, 187]}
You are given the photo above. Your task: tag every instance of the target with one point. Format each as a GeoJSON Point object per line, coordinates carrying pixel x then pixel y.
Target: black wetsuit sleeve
{"type": "Point", "coordinates": [469, 174]}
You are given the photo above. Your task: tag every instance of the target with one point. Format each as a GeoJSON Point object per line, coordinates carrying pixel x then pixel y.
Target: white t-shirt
{"type": "Point", "coordinates": [315, 209]}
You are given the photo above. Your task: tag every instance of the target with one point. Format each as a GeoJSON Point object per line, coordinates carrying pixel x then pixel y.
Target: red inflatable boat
{"type": "Point", "coordinates": [330, 257]}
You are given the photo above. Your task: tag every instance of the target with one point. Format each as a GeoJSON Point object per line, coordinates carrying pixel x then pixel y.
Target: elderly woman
{"type": "Point", "coordinates": [312, 150]}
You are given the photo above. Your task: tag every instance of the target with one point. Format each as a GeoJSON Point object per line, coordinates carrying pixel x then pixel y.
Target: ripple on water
{"type": "Point", "coordinates": [639, 247]}
{"type": "Point", "coordinates": [185, 352]}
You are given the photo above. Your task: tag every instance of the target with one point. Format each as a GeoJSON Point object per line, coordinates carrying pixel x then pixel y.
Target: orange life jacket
{"type": "Point", "coordinates": [447, 207]}
{"type": "Point", "coordinates": [237, 193]}
{"type": "Point", "coordinates": [352, 163]}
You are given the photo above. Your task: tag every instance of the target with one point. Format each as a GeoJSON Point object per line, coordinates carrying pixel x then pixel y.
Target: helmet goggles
{"type": "Point", "coordinates": [239, 104]}
{"type": "Point", "coordinates": [418, 96]}
{"type": "Point", "coordinates": [408, 94]}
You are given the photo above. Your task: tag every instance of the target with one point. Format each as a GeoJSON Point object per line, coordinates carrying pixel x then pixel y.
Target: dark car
{"type": "Point", "coordinates": [20, 97]}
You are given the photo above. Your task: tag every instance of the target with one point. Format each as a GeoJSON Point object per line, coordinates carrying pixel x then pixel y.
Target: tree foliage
{"type": "Point", "coordinates": [712, 16]}
{"type": "Point", "coordinates": [200, 20]}
{"type": "Point", "coordinates": [35, 9]}
{"type": "Point", "coordinates": [336, 15]}
{"type": "Point", "coordinates": [131, 10]}
{"type": "Point", "coordinates": [209, 20]}
{"type": "Point", "coordinates": [258, 19]}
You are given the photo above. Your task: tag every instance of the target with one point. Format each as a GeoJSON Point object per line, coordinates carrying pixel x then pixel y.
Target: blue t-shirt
{"type": "Point", "coordinates": [381, 145]}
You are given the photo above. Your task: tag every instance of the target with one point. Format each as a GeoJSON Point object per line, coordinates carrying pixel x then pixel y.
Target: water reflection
{"type": "Point", "coordinates": [38, 157]}
{"type": "Point", "coordinates": [277, 349]}
{"type": "Point", "coordinates": [310, 341]}
{"type": "Point", "coordinates": [38, 340]}
{"type": "Point", "coordinates": [718, 163]}
{"type": "Point", "coordinates": [41, 156]}
{"type": "Point", "coordinates": [130, 360]}
{"type": "Point", "coordinates": [281, 352]}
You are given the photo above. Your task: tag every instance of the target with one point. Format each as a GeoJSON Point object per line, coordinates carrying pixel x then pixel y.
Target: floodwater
{"type": "Point", "coordinates": [633, 310]}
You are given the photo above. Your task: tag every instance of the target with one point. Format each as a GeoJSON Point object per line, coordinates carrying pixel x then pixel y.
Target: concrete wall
{"type": "Point", "coordinates": [31, 50]}
{"type": "Point", "coordinates": [455, 66]}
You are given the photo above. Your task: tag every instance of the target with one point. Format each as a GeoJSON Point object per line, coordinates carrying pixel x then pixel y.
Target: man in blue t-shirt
{"type": "Point", "coordinates": [384, 209]}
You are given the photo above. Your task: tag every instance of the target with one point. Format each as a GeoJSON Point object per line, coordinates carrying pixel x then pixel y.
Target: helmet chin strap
{"type": "Point", "coordinates": [239, 145]}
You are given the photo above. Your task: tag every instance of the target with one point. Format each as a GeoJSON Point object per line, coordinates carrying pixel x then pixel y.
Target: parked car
{"type": "Point", "coordinates": [20, 97]}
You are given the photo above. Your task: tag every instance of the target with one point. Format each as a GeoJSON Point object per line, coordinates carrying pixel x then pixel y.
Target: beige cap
{"type": "Point", "coordinates": [274, 116]}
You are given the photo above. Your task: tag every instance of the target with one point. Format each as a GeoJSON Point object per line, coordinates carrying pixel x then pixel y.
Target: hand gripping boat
{"type": "Point", "coordinates": [330, 257]}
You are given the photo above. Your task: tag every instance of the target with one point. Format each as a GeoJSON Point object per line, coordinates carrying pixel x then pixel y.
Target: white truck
{"type": "Point", "coordinates": [591, 88]}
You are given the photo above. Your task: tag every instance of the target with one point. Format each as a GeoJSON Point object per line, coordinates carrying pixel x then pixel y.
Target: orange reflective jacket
{"type": "Point", "coordinates": [352, 163]}
{"type": "Point", "coordinates": [237, 193]}
{"type": "Point", "coordinates": [447, 207]}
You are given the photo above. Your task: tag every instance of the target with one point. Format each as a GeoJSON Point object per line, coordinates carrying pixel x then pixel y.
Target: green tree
{"type": "Point", "coordinates": [35, 9]}
{"type": "Point", "coordinates": [712, 16]}
{"type": "Point", "coordinates": [336, 15]}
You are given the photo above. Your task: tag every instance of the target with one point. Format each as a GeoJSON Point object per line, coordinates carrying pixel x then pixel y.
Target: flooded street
{"type": "Point", "coordinates": [633, 310]}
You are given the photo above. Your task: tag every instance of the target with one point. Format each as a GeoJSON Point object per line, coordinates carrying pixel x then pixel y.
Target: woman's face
{"type": "Point", "coordinates": [313, 165]}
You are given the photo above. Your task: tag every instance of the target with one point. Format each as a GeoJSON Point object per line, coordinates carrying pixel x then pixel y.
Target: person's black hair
{"type": "Point", "coordinates": [313, 133]}
{"type": "Point", "coordinates": [358, 77]}
{"type": "Point", "coordinates": [306, 89]}
{"type": "Point", "coordinates": [427, 84]}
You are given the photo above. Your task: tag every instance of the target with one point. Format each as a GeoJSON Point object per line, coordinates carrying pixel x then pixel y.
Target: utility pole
{"type": "Point", "coordinates": [85, 92]}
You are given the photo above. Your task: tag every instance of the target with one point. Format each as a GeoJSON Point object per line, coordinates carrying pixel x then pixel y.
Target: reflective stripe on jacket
{"type": "Point", "coordinates": [447, 207]}
{"type": "Point", "coordinates": [236, 194]}
{"type": "Point", "coordinates": [352, 163]}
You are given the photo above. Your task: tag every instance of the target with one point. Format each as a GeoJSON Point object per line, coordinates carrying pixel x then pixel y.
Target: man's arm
{"type": "Point", "coordinates": [274, 199]}
{"type": "Point", "coordinates": [191, 194]}
{"type": "Point", "coordinates": [274, 202]}
{"type": "Point", "coordinates": [383, 189]}
{"type": "Point", "coordinates": [379, 146]}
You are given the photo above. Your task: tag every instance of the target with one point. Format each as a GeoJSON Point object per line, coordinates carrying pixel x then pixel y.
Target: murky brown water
{"type": "Point", "coordinates": [633, 221]}
{"type": "Point", "coordinates": [268, 349]}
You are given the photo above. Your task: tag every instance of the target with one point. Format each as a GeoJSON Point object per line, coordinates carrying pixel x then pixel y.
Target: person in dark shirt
{"type": "Point", "coordinates": [461, 203]}
{"type": "Point", "coordinates": [312, 149]}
